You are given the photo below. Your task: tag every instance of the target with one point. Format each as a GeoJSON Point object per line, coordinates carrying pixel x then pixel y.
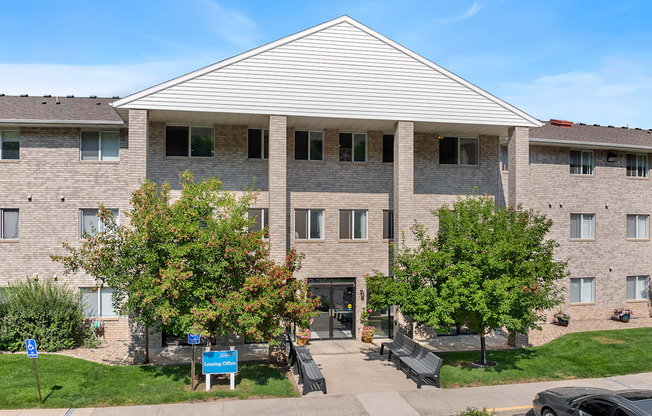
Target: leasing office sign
{"type": "Point", "coordinates": [220, 362]}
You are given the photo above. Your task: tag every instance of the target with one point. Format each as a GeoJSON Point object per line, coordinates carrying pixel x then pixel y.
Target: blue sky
{"type": "Point", "coordinates": [585, 61]}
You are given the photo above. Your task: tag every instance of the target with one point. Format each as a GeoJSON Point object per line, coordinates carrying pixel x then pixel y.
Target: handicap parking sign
{"type": "Point", "coordinates": [31, 348]}
{"type": "Point", "coordinates": [193, 339]}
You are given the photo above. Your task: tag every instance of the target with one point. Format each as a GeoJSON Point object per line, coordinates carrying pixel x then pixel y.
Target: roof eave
{"type": "Point", "coordinates": [583, 144]}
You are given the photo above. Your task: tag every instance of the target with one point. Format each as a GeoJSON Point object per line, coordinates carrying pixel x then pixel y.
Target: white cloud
{"type": "Point", "coordinates": [618, 94]}
{"type": "Point", "coordinates": [81, 80]}
{"type": "Point", "coordinates": [230, 25]}
{"type": "Point", "coordinates": [470, 12]}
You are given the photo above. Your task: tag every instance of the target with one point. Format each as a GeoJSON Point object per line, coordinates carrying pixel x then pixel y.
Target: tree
{"type": "Point", "coordinates": [193, 265]}
{"type": "Point", "coordinates": [487, 267]}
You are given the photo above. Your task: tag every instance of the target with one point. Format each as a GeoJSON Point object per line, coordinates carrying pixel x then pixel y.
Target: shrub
{"type": "Point", "coordinates": [472, 411]}
{"type": "Point", "coordinates": [48, 312]}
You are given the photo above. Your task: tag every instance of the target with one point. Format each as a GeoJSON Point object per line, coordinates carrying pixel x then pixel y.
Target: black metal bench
{"type": "Point", "coordinates": [401, 346]}
{"type": "Point", "coordinates": [309, 373]}
{"type": "Point", "coordinates": [423, 364]}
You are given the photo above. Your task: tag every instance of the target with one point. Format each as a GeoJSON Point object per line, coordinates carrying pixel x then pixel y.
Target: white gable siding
{"type": "Point", "coordinates": [340, 71]}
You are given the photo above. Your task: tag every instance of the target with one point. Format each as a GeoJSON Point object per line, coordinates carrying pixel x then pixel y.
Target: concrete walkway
{"type": "Point", "coordinates": [511, 399]}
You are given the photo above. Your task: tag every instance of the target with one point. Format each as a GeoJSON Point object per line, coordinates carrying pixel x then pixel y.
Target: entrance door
{"type": "Point", "coordinates": [337, 310]}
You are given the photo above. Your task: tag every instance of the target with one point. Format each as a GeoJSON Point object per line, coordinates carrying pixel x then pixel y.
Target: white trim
{"type": "Point", "coordinates": [321, 225]}
{"type": "Point", "coordinates": [637, 290]}
{"type": "Point", "coordinates": [582, 279]}
{"type": "Point", "coordinates": [58, 122]}
{"type": "Point", "coordinates": [2, 140]}
{"type": "Point", "coordinates": [352, 224]}
{"type": "Point", "coordinates": [582, 144]}
{"type": "Point", "coordinates": [529, 121]}
{"type": "Point", "coordinates": [99, 146]}
{"type": "Point", "coordinates": [99, 301]}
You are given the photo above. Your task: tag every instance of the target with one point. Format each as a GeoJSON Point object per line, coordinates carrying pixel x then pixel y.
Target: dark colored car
{"type": "Point", "coordinates": [588, 401]}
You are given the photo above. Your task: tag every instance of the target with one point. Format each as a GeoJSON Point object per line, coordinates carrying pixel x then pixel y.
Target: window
{"type": "Point", "coordinates": [353, 224]}
{"type": "Point", "coordinates": [308, 224]}
{"type": "Point", "coordinates": [9, 224]}
{"type": "Point", "coordinates": [459, 151]}
{"type": "Point", "coordinates": [581, 162]}
{"type": "Point", "coordinates": [638, 226]}
{"type": "Point", "coordinates": [89, 222]}
{"type": "Point", "coordinates": [582, 290]}
{"type": "Point", "coordinates": [388, 225]}
{"type": "Point", "coordinates": [388, 148]}
{"type": "Point", "coordinates": [504, 158]}
{"type": "Point", "coordinates": [104, 145]}
{"type": "Point", "coordinates": [353, 147]}
{"type": "Point", "coordinates": [189, 141]}
{"type": "Point", "coordinates": [582, 226]}
{"type": "Point", "coordinates": [97, 302]}
{"type": "Point", "coordinates": [258, 144]}
{"type": "Point", "coordinates": [596, 407]}
{"type": "Point", "coordinates": [9, 145]}
{"type": "Point", "coordinates": [638, 166]}
{"type": "Point", "coordinates": [638, 287]}
{"type": "Point", "coordinates": [260, 216]}
{"type": "Point", "coordinates": [309, 145]}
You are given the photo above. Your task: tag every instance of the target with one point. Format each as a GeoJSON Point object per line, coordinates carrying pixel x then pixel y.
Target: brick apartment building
{"type": "Point", "coordinates": [350, 138]}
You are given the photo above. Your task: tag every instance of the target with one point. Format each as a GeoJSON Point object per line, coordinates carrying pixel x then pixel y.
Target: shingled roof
{"type": "Point", "coordinates": [58, 110]}
{"type": "Point", "coordinates": [592, 135]}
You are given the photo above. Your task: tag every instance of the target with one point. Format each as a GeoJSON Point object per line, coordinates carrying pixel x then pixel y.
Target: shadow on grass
{"type": "Point", "coordinates": [258, 373]}
{"type": "Point", "coordinates": [52, 390]}
{"type": "Point", "coordinates": [506, 359]}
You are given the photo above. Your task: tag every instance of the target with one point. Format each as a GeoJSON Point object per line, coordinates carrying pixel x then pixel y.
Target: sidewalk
{"type": "Point", "coordinates": [509, 399]}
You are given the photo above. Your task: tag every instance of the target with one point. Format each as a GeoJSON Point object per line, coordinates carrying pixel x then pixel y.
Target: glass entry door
{"type": "Point", "coordinates": [337, 311]}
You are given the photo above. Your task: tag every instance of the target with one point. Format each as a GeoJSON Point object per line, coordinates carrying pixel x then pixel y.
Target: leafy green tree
{"type": "Point", "coordinates": [194, 264]}
{"type": "Point", "coordinates": [487, 267]}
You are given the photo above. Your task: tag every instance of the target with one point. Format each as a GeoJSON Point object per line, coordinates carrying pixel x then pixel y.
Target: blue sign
{"type": "Point", "coordinates": [193, 339]}
{"type": "Point", "coordinates": [31, 348]}
{"type": "Point", "coordinates": [220, 362]}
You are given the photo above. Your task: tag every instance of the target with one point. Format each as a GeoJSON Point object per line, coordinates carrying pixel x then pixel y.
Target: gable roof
{"type": "Point", "coordinates": [340, 68]}
{"type": "Point", "coordinates": [69, 110]}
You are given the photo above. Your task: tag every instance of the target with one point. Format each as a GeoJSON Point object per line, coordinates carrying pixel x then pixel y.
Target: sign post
{"type": "Point", "coordinates": [193, 339]}
{"type": "Point", "coordinates": [32, 353]}
{"type": "Point", "coordinates": [220, 362]}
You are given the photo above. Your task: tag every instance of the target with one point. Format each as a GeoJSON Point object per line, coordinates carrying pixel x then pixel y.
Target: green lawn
{"type": "Point", "coordinates": [577, 355]}
{"type": "Point", "coordinates": [71, 382]}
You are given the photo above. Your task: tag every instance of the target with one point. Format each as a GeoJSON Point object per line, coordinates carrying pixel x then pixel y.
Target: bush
{"type": "Point", "coordinates": [472, 411]}
{"type": "Point", "coordinates": [48, 312]}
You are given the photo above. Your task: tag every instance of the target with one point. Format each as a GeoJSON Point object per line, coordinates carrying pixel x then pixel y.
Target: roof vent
{"type": "Point", "coordinates": [2, 95]}
{"type": "Point", "coordinates": [58, 102]}
{"type": "Point", "coordinates": [582, 124]}
{"type": "Point", "coordinates": [44, 102]}
{"type": "Point", "coordinates": [637, 128]}
{"type": "Point", "coordinates": [115, 97]}
{"type": "Point", "coordinates": [98, 103]}
{"type": "Point", "coordinates": [93, 96]}
{"type": "Point", "coordinates": [70, 96]}
{"type": "Point", "coordinates": [47, 96]}
{"type": "Point", "coordinates": [596, 125]}
{"type": "Point", "coordinates": [611, 127]}
{"type": "Point", "coordinates": [24, 95]}
{"type": "Point", "coordinates": [624, 127]}
{"type": "Point", "coordinates": [561, 123]}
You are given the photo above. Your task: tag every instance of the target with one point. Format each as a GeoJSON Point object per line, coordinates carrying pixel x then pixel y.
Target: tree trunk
{"type": "Point", "coordinates": [483, 348]}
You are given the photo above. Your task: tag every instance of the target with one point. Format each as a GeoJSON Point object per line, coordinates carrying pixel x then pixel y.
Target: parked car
{"type": "Point", "coordinates": [589, 401]}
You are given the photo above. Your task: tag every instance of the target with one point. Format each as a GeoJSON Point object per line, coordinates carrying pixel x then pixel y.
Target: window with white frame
{"type": "Point", "coordinates": [463, 151]}
{"type": "Point", "coordinates": [638, 166]}
{"type": "Point", "coordinates": [581, 162]}
{"type": "Point", "coordinates": [189, 141]}
{"type": "Point", "coordinates": [308, 145]}
{"type": "Point", "coordinates": [9, 224]}
{"type": "Point", "coordinates": [258, 144]}
{"type": "Point", "coordinates": [638, 226]}
{"type": "Point", "coordinates": [9, 145]}
{"type": "Point", "coordinates": [582, 226]}
{"type": "Point", "coordinates": [89, 221]}
{"type": "Point", "coordinates": [97, 302]}
{"type": "Point", "coordinates": [388, 224]}
{"type": "Point", "coordinates": [504, 158]}
{"type": "Point", "coordinates": [309, 224]}
{"type": "Point", "coordinates": [353, 147]}
{"type": "Point", "coordinates": [260, 216]}
{"type": "Point", "coordinates": [100, 145]}
{"type": "Point", "coordinates": [353, 224]}
{"type": "Point", "coordinates": [638, 287]}
{"type": "Point", "coordinates": [582, 290]}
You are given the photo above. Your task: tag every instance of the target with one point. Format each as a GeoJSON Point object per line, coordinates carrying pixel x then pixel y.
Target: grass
{"type": "Point", "coordinates": [577, 355]}
{"type": "Point", "coordinates": [71, 382]}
